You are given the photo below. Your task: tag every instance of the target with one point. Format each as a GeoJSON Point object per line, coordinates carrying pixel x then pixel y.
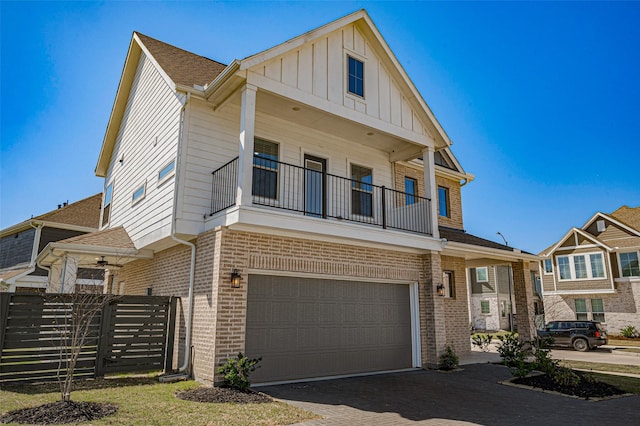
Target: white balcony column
{"type": "Point", "coordinates": [430, 187]}
{"type": "Point", "coordinates": [245, 154]}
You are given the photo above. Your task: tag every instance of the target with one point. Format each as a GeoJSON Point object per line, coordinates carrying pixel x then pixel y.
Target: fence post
{"type": "Point", "coordinates": [5, 298]}
{"type": "Point", "coordinates": [171, 330]}
{"type": "Point", "coordinates": [103, 339]}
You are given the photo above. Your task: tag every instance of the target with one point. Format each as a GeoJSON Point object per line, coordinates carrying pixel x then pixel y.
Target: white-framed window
{"type": "Point", "coordinates": [443, 201]}
{"type": "Point", "coordinates": [548, 266]}
{"type": "Point", "coordinates": [482, 274]}
{"type": "Point", "coordinates": [485, 308]}
{"type": "Point", "coordinates": [628, 263]}
{"type": "Point", "coordinates": [265, 169]}
{"type": "Point", "coordinates": [597, 310]}
{"type": "Point", "coordinates": [166, 172]}
{"type": "Point", "coordinates": [449, 284]}
{"type": "Point", "coordinates": [411, 190]}
{"type": "Point", "coordinates": [138, 194]}
{"type": "Point", "coordinates": [581, 310]}
{"type": "Point", "coordinates": [355, 76]}
{"type": "Point", "coordinates": [106, 203]}
{"type": "Point", "coordinates": [587, 266]}
{"type": "Point", "coordinates": [361, 191]}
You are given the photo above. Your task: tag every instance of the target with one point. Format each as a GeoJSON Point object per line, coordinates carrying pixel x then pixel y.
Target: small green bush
{"type": "Point", "coordinates": [448, 359]}
{"type": "Point", "coordinates": [515, 354]}
{"type": "Point", "coordinates": [629, 332]}
{"type": "Point", "coordinates": [236, 371]}
{"type": "Point", "coordinates": [482, 341]}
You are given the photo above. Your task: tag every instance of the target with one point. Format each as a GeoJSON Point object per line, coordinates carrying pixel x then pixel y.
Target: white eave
{"type": "Point", "coordinates": [471, 251]}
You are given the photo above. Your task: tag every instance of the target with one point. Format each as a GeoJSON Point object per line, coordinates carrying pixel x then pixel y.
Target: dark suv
{"type": "Point", "coordinates": [581, 335]}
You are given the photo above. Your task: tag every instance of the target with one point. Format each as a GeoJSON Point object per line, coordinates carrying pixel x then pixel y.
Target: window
{"type": "Point", "coordinates": [356, 77]}
{"type": "Point", "coordinates": [443, 201]}
{"type": "Point", "coordinates": [484, 307]}
{"type": "Point", "coordinates": [449, 284]}
{"type": "Point", "coordinates": [581, 266]}
{"type": "Point", "coordinates": [139, 194]}
{"type": "Point", "coordinates": [597, 310]}
{"type": "Point", "coordinates": [106, 204]}
{"type": "Point", "coordinates": [361, 190]}
{"type": "Point", "coordinates": [581, 310]}
{"type": "Point", "coordinates": [265, 169]}
{"type": "Point", "coordinates": [629, 266]}
{"type": "Point", "coordinates": [411, 188]}
{"type": "Point", "coordinates": [482, 274]}
{"type": "Point", "coordinates": [548, 266]}
{"type": "Point", "coordinates": [166, 172]}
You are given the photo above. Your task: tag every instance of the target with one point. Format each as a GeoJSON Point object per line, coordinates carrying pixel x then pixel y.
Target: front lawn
{"type": "Point", "coordinates": [144, 401]}
{"type": "Point", "coordinates": [621, 341]}
{"type": "Point", "coordinates": [601, 366]}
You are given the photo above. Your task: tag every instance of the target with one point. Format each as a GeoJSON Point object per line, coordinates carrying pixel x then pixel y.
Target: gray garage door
{"type": "Point", "coordinates": [304, 327]}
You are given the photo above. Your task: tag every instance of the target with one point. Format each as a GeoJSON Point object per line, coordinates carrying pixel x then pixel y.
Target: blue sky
{"type": "Point", "coordinates": [541, 99]}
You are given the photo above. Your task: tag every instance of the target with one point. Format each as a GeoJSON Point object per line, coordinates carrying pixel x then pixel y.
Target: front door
{"type": "Point", "coordinates": [314, 188]}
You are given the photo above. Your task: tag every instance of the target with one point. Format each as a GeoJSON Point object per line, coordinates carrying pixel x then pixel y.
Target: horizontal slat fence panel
{"type": "Point", "coordinates": [126, 334]}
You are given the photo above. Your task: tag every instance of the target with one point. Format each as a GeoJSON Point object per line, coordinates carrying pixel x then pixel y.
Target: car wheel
{"type": "Point", "coordinates": [581, 345]}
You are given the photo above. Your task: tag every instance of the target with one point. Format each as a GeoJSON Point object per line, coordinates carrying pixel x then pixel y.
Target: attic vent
{"type": "Point", "coordinates": [601, 226]}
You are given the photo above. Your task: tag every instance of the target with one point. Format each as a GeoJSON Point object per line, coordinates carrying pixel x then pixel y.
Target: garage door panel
{"type": "Point", "coordinates": [313, 328]}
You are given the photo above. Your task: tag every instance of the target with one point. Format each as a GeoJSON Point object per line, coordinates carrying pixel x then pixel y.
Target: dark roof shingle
{"type": "Point", "coordinates": [461, 236]}
{"type": "Point", "coordinates": [184, 68]}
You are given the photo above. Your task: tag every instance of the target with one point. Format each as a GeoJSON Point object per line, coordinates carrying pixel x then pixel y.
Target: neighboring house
{"type": "Point", "coordinates": [21, 243]}
{"type": "Point", "coordinates": [592, 272]}
{"type": "Point", "coordinates": [303, 202]}
{"type": "Point", "coordinates": [491, 304]}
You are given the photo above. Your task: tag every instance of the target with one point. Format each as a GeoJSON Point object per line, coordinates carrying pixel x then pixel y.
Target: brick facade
{"type": "Point", "coordinates": [523, 293]}
{"type": "Point", "coordinates": [219, 318]}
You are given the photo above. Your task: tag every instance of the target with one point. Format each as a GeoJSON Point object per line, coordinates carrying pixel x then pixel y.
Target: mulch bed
{"type": "Point", "coordinates": [585, 389]}
{"type": "Point", "coordinates": [221, 394]}
{"type": "Point", "coordinates": [60, 412]}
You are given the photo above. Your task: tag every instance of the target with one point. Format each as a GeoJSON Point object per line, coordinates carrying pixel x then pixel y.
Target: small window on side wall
{"type": "Point", "coordinates": [166, 172]}
{"type": "Point", "coordinates": [443, 201]}
{"type": "Point", "coordinates": [548, 266]}
{"type": "Point", "coordinates": [449, 284]}
{"type": "Point", "coordinates": [138, 194]}
{"type": "Point", "coordinates": [356, 77]}
{"type": "Point", "coordinates": [410, 189]}
{"type": "Point", "coordinates": [106, 204]}
{"type": "Point", "coordinates": [484, 307]}
{"type": "Point", "coordinates": [482, 274]}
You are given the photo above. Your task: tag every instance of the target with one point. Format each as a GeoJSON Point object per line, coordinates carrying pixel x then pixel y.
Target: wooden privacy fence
{"type": "Point", "coordinates": [124, 334]}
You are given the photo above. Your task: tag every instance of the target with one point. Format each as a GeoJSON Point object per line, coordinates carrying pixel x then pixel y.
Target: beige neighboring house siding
{"type": "Point", "coordinates": [146, 142]}
{"type": "Point", "coordinates": [583, 284]}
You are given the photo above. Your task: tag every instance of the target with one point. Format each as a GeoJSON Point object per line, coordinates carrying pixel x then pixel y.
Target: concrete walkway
{"type": "Point", "coordinates": [471, 396]}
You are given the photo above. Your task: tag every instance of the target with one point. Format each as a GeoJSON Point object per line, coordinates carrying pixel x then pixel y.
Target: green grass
{"type": "Point", "coordinates": [623, 342]}
{"type": "Point", "coordinates": [144, 401]}
{"type": "Point", "coordinates": [600, 366]}
{"type": "Point", "coordinates": [627, 384]}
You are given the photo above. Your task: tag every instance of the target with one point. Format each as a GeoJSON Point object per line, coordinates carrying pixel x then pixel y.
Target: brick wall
{"type": "Point", "coordinates": [456, 309]}
{"type": "Point", "coordinates": [455, 203]}
{"type": "Point", "coordinates": [523, 295]}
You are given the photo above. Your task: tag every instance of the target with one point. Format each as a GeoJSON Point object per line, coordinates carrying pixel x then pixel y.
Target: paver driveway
{"type": "Point", "coordinates": [470, 396]}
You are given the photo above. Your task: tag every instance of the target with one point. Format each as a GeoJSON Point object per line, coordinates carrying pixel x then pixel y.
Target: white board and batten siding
{"type": "Point", "coordinates": [319, 68]}
{"type": "Point", "coordinates": [147, 141]}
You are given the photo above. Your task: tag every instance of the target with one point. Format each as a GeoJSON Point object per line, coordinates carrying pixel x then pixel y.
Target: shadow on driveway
{"type": "Point", "coordinates": [472, 395]}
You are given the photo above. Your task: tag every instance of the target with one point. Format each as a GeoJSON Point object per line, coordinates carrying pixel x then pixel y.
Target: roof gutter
{"type": "Point", "coordinates": [222, 78]}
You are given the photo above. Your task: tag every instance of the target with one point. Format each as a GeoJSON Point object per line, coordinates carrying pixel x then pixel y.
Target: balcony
{"type": "Point", "coordinates": [313, 192]}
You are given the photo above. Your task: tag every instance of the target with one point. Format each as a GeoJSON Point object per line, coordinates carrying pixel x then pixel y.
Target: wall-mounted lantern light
{"type": "Point", "coordinates": [235, 278]}
{"type": "Point", "coordinates": [440, 290]}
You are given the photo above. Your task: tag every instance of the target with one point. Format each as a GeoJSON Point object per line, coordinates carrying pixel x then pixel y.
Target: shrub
{"type": "Point", "coordinates": [629, 332]}
{"type": "Point", "coordinates": [482, 341]}
{"type": "Point", "coordinates": [236, 371]}
{"type": "Point", "coordinates": [448, 360]}
{"type": "Point", "coordinates": [515, 354]}
{"type": "Point", "coordinates": [542, 356]}
{"type": "Point", "coordinates": [565, 377]}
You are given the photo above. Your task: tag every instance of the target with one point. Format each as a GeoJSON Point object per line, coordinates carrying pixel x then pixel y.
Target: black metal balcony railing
{"type": "Point", "coordinates": [320, 194]}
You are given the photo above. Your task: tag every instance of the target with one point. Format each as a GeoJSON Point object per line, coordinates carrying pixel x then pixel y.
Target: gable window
{"type": "Point", "coordinates": [265, 169]}
{"type": "Point", "coordinates": [139, 194]}
{"type": "Point", "coordinates": [581, 266]}
{"type": "Point", "coordinates": [581, 309]}
{"type": "Point", "coordinates": [106, 204]}
{"type": "Point", "coordinates": [548, 266]}
{"type": "Point", "coordinates": [443, 201]}
{"type": "Point", "coordinates": [166, 172]}
{"type": "Point", "coordinates": [482, 274]}
{"type": "Point", "coordinates": [484, 307]}
{"type": "Point", "coordinates": [629, 266]}
{"type": "Point", "coordinates": [361, 191]}
{"type": "Point", "coordinates": [597, 310]}
{"type": "Point", "coordinates": [356, 77]}
{"type": "Point", "coordinates": [410, 189]}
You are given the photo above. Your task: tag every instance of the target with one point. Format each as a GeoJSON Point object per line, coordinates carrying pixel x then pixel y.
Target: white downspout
{"type": "Point", "coordinates": [189, 319]}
